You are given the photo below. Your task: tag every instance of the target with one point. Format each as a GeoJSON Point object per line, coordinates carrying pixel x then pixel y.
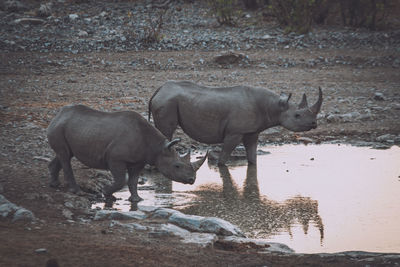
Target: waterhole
{"type": "Point", "coordinates": [315, 198]}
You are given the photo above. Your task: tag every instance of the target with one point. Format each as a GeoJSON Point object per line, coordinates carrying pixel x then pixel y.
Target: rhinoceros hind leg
{"type": "Point", "coordinates": [230, 142]}
{"type": "Point", "coordinates": [54, 169]}
{"type": "Point", "coordinates": [250, 143]}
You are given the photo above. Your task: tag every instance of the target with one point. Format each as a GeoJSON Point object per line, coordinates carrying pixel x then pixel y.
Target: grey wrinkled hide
{"type": "Point", "coordinates": [228, 115]}
{"type": "Point", "coordinates": [119, 141]}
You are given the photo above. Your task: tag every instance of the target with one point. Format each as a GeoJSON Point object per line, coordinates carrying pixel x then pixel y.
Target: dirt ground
{"type": "Point", "coordinates": [34, 85]}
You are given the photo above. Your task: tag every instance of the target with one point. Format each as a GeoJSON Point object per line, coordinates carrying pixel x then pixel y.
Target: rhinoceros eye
{"type": "Point", "coordinates": [297, 116]}
{"type": "Point", "coordinates": [177, 166]}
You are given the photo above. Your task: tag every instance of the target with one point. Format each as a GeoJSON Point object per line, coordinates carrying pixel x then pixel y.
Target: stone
{"type": "Point", "coordinates": [220, 227]}
{"type": "Point", "coordinates": [82, 33]}
{"type": "Point", "coordinates": [147, 208]}
{"type": "Point", "coordinates": [386, 138]}
{"type": "Point", "coordinates": [131, 226]}
{"type": "Point", "coordinates": [203, 240]}
{"type": "Point", "coordinates": [67, 214]}
{"type": "Point", "coordinates": [119, 215]}
{"type": "Point", "coordinates": [41, 250]}
{"type": "Point", "coordinates": [205, 224]}
{"type": "Point", "coordinates": [379, 96]}
{"type": "Point", "coordinates": [239, 243]}
{"type": "Point", "coordinates": [31, 21]}
{"type": "Point", "coordinates": [23, 214]}
{"type": "Point", "coordinates": [45, 10]}
{"type": "Point", "coordinates": [73, 17]}
{"type": "Point", "coordinates": [6, 209]}
{"type": "Point", "coordinates": [163, 213]}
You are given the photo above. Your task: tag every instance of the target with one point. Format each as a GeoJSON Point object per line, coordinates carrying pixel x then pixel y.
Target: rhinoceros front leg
{"type": "Point", "coordinates": [118, 171]}
{"type": "Point", "coordinates": [250, 143]}
{"type": "Point", "coordinates": [133, 173]}
{"type": "Point", "coordinates": [230, 142]}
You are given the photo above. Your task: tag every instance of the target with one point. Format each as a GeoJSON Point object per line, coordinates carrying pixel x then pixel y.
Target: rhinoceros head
{"type": "Point", "coordinates": [300, 117]}
{"type": "Point", "coordinates": [175, 167]}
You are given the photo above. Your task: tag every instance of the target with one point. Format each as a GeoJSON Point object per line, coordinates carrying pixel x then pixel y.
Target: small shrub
{"type": "Point", "coordinates": [295, 15]}
{"type": "Point", "coordinates": [224, 10]}
{"type": "Point", "coordinates": [364, 13]}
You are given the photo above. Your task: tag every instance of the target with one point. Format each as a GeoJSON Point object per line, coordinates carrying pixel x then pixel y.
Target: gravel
{"type": "Point", "coordinates": [104, 26]}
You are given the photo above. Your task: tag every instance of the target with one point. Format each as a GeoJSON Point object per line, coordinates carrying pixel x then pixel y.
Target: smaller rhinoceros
{"type": "Point", "coordinates": [228, 115]}
{"type": "Point", "coordinates": [118, 141]}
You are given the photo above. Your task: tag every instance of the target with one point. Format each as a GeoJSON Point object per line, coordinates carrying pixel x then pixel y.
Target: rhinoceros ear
{"type": "Point", "coordinates": [284, 101]}
{"type": "Point", "coordinates": [168, 145]}
{"type": "Point", "coordinates": [303, 103]}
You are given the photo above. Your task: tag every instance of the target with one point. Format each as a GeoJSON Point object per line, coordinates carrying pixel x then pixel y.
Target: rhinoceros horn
{"type": "Point", "coordinates": [171, 143]}
{"type": "Point", "coordinates": [303, 103]}
{"type": "Point", "coordinates": [317, 106]}
{"type": "Point", "coordinates": [186, 156]}
{"type": "Point", "coordinates": [197, 164]}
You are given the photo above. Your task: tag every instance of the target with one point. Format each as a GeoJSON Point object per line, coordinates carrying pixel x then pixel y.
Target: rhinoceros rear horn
{"type": "Point", "coordinates": [317, 106]}
{"type": "Point", "coordinates": [197, 164]}
{"type": "Point", "coordinates": [171, 143]}
{"type": "Point", "coordinates": [303, 103]}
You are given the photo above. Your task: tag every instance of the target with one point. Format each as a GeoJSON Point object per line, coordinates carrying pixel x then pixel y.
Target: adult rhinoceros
{"type": "Point", "coordinates": [117, 141]}
{"type": "Point", "coordinates": [228, 115]}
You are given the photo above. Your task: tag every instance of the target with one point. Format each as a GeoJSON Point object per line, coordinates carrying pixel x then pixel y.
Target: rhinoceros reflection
{"type": "Point", "coordinates": [255, 214]}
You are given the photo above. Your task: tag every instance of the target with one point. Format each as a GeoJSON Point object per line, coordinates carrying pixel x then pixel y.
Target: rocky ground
{"type": "Point", "coordinates": [100, 55]}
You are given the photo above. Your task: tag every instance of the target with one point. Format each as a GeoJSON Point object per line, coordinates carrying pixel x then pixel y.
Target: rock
{"type": "Point", "coordinates": [147, 208]}
{"type": "Point", "coordinates": [379, 96]}
{"type": "Point", "coordinates": [205, 224]}
{"type": "Point", "coordinates": [229, 58]}
{"type": "Point", "coordinates": [41, 250]}
{"type": "Point", "coordinates": [238, 243]}
{"type": "Point", "coordinates": [77, 202]}
{"type": "Point", "coordinates": [45, 10]}
{"type": "Point", "coordinates": [73, 17]}
{"type": "Point", "coordinates": [119, 215]}
{"type": "Point", "coordinates": [67, 214]}
{"type": "Point", "coordinates": [131, 226]}
{"type": "Point", "coordinates": [82, 33]}
{"type": "Point", "coordinates": [386, 138]}
{"type": "Point", "coordinates": [7, 208]}
{"type": "Point", "coordinates": [203, 240]}
{"type": "Point", "coordinates": [163, 213]}
{"type": "Point", "coordinates": [23, 214]}
{"type": "Point", "coordinates": [31, 21]}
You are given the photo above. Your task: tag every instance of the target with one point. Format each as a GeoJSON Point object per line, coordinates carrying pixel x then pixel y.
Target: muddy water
{"type": "Point", "coordinates": [320, 198]}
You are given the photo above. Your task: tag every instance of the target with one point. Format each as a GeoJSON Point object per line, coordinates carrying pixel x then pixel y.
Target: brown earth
{"type": "Point", "coordinates": [34, 85]}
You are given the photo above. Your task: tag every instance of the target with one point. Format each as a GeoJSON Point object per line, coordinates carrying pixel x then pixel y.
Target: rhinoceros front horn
{"type": "Point", "coordinates": [317, 106]}
{"type": "Point", "coordinates": [197, 164]}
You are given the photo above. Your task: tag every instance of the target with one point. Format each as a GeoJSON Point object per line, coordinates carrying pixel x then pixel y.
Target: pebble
{"type": "Point", "coordinates": [41, 250]}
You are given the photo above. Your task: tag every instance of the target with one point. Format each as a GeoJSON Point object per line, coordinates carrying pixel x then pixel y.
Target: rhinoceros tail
{"type": "Point", "coordinates": [151, 98]}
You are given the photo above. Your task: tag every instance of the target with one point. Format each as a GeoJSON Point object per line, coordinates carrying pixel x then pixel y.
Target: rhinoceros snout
{"type": "Point", "coordinates": [191, 180]}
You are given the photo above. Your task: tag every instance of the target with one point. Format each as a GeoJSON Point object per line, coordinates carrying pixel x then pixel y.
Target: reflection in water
{"type": "Point", "coordinates": [253, 213]}
{"type": "Point", "coordinates": [355, 190]}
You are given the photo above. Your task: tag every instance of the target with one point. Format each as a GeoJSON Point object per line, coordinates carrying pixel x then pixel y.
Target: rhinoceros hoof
{"type": "Point", "coordinates": [55, 184]}
{"type": "Point", "coordinates": [135, 199]}
{"type": "Point", "coordinates": [110, 198]}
